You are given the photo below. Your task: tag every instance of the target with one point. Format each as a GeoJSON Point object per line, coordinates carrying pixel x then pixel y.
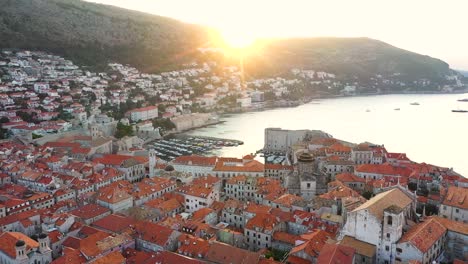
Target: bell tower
{"type": "Point", "coordinates": [152, 163]}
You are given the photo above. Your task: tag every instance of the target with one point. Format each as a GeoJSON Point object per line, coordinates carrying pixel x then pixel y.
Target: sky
{"type": "Point", "coordinates": [437, 28]}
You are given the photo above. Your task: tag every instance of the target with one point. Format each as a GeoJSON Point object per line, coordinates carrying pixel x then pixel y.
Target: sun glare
{"type": "Point", "coordinates": [237, 40]}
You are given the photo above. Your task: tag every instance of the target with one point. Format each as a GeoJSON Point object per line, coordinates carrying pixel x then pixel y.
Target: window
{"type": "Point", "coordinates": [388, 235]}
{"type": "Point", "coordinates": [308, 185]}
{"type": "Point", "coordinates": [456, 210]}
{"type": "Point", "coordinates": [387, 248]}
{"type": "Point", "coordinates": [389, 220]}
{"type": "Point", "coordinates": [399, 250]}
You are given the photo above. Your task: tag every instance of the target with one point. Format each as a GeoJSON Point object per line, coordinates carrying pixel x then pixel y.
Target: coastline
{"type": "Point", "coordinates": [311, 99]}
{"type": "Point", "coordinates": [290, 104]}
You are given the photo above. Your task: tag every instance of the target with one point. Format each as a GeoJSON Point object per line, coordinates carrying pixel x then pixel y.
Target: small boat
{"type": "Point", "coordinates": [460, 111]}
{"type": "Point", "coordinates": [397, 109]}
{"type": "Point", "coordinates": [414, 103]}
{"type": "Point", "coordinates": [463, 100]}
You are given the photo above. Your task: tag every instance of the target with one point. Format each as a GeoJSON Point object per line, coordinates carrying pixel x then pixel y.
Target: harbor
{"type": "Point", "coordinates": [181, 145]}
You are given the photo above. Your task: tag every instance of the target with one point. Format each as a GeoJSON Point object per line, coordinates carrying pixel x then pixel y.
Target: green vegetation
{"type": "Point", "coordinates": [164, 123]}
{"type": "Point", "coordinates": [93, 35]}
{"type": "Point", "coordinates": [367, 194]}
{"type": "Point", "coordinates": [27, 117]}
{"type": "Point", "coordinates": [347, 57]}
{"type": "Point", "coordinates": [277, 255]}
{"type": "Point", "coordinates": [123, 130]}
{"type": "Point", "coordinates": [36, 136]}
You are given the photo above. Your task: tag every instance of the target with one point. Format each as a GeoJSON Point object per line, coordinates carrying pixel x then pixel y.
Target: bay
{"type": "Point", "coordinates": [429, 132]}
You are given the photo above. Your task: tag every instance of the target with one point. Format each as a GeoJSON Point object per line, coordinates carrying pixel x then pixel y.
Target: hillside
{"type": "Point", "coordinates": [347, 57]}
{"type": "Point", "coordinates": [92, 34]}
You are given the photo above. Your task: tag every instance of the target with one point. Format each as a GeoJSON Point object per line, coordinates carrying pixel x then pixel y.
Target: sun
{"type": "Point", "coordinates": [236, 39]}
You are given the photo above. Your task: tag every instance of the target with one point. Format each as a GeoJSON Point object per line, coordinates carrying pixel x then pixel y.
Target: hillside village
{"type": "Point", "coordinates": [43, 94]}
{"type": "Point", "coordinates": [79, 185]}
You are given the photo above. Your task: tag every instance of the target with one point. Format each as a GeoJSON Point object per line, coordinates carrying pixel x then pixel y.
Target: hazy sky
{"type": "Point", "coordinates": [432, 27]}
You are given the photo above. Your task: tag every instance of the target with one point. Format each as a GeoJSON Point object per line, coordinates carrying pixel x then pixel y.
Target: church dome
{"type": "Point", "coordinates": [305, 157]}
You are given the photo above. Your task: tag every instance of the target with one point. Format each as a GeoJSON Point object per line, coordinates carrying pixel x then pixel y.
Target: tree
{"type": "Point", "coordinates": [27, 117]}
{"type": "Point", "coordinates": [161, 108]}
{"type": "Point", "coordinates": [4, 119]}
{"type": "Point", "coordinates": [123, 130]}
{"type": "Point", "coordinates": [367, 194]}
{"type": "Point", "coordinates": [164, 123]}
{"type": "Point", "coordinates": [412, 186]}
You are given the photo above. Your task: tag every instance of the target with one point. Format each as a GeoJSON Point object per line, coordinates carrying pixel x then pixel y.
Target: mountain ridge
{"type": "Point", "coordinates": [95, 34]}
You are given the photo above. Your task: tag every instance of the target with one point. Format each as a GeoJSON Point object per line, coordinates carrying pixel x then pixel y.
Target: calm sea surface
{"type": "Point", "coordinates": [428, 133]}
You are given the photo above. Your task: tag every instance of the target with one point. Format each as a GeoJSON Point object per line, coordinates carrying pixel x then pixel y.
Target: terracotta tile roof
{"type": "Point", "coordinates": [341, 192]}
{"type": "Point", "coordinates": [193, 246]}
{"type": "Point", "coordinates": [251, 166]}
{"type": "Point", "coordinates": [282, 215]}
{"type": "Point", "coordinates": [153, 233]}
{"type": "Point", "coordinates": [288, 199]}
{"type": "Point", "coordinates": [114, 258]}
{"type": "Point", "coordinates": [100, 242]}
{"type": "Point", "coordinates": [113, 195]}
{"type": "Point", "coordinates": [286, 237]}
{"type": "Point", "coordinates": [381, 201]}
{"type": "Point", "coordinates": [223, 253]}
{"type": "Point", "coordinates": [338, 147]}
{"type": "Point", "coordinates": [117, 160]}
{"type": "Point", "coordinates": [89, 211]}
{"type": "Point", "coordinates": [144, 109]}
{"type": "Point", "coordinates": [201, 213]}
{"type": "Point", "coordinates": [362, 248]}
{"type": "Point", "coordinates": [296, 260]}
{"type": "Point", "coordinates": [165, 206]}
{"type": "Point", "coordinates": [336, 254]}
{"type": "Point", "coordinates": [210, 180]}
{"type": "Point", "coordinates": [237, 179]}
{"type": "Point", "coordinates": [265, 222]}
{"type": "Point", "coordinates": [217, 206]}
{"type": "Point", "coordinates": [257, 208]}
{"type": "Point", "coordinates": [452, 225]}
{"type": "Point", "coordinates": [9, 240]}
{"type": "Point", "coordinates": [384, 169]}
{"type": "Point", "coordinates": [9, 219]}
{"type": "Point", "coordinates": [167, 257]}
{"type": "Point", "coordinates": [55, 236]}
{"type": "Point", "coordinates": [196, 190]}
{"type": "Point", "coordinates": [348, 177]}
{"type": "Point", "coordinates": [314, 243]}
{"type": "Point", "coordinates": [71, 242]}
{"type": "Point", "coordinates": [195, 160]}
{"type": "Point", "coordinates": [114, 223]}
{"type": "Point", "coordinates": [423, 235]}
{"type": "Point", "coordinates": [456, 197]}
{"type": "Point", "coordinates": [398, 156]}
{"type": "Point", "coordinates": [70, 256]}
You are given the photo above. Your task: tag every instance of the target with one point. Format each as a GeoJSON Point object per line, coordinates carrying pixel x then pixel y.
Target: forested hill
{"type": "Point", "coordinates": [93, 34]}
